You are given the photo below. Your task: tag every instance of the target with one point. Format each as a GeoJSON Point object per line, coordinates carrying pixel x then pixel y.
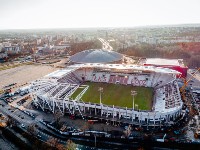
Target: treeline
{"type": "Point", "coordinates": [189, 52]}
{"type": "Point", "coordinates": [78, 47]}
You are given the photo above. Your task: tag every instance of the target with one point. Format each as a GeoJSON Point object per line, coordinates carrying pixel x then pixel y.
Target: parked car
{"type": "Point", "coordinates": [22, 125]}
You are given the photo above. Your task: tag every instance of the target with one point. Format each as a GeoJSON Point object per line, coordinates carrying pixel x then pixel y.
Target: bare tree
{"type": "Point", "coordinates": [32, 129]}
{"type": "Point", "coordinates": [55, 145]}
{"type": "Point", "coordinates": [85, 126]}
{"type": "Point", "coordinates": [57, 117]}
{"type": "Point", "coordinates": [70, 145]}
{"type": "Point", "coordinates": [52, 142]}
{"type": "Point", "coordinates": [11, 122]}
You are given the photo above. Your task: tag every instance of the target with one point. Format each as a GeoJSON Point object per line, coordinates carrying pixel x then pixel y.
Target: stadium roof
{"type": "Point", "coordinates": [124, 67]}
{"type": "Point", "coordinates": [59, 73]}
{"type": "Point", "coordinates": [96, 56]}
{"type": "Point", "coordinates": [163, 62]}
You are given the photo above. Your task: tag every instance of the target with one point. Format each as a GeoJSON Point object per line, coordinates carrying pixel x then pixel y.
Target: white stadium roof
{"type": "Point", "coordinates": [125, 66]}
{"type": "Point", "coordinates": [134, 68]}
{"type": "Point", "coordinates": [59, 73]}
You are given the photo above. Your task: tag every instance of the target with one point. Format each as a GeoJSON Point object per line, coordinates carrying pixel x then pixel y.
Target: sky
{"type": "Point", "coordinates": [33, 14]}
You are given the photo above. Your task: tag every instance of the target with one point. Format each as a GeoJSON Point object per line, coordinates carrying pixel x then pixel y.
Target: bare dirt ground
{"type": "Point", "coordinates": [24, 74]}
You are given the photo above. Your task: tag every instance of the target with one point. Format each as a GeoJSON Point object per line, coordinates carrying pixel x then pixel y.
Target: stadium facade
{"type": "Point", "coordinates": [53, 92]}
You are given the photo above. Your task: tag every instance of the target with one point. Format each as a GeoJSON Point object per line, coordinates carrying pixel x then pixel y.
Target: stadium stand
{"type": "Point", "coordinates": [59, 86]}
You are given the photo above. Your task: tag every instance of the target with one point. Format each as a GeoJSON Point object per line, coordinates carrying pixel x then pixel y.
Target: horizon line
{"type": "Point", "coordinates": [138, 26]}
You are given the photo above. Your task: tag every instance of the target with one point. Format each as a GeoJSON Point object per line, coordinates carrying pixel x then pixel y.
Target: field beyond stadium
{"type": "Point", "coordinates": [117, 95]}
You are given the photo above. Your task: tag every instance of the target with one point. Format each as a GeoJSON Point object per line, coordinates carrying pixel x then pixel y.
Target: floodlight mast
{"type": "Point", "coordinates": [100, 91]}
{"type": "Point", "coordinates": [133, 93]}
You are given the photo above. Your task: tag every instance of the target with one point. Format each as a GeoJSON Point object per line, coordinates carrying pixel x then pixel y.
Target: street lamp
{"type": "Point", "coordinates": [133, 93]}
{"type": "Point", "coordinates": [100, 91]}
{"type": "Point", "coordinates": [154, 119]}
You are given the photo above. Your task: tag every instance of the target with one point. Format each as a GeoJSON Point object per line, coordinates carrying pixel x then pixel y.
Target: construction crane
{"type": "Point", "coordinates": [182, 89]}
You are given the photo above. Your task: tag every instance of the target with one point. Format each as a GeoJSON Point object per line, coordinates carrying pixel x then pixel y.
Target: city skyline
{"type": "Point", "coordinates": [28, 14]}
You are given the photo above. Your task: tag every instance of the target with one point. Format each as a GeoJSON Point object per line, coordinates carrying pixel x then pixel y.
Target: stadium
{"type": "Point", "coordinates": [122, 93]}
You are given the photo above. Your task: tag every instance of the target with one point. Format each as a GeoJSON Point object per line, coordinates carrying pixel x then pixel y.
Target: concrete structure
{"type": "Point", "coordinates": [55, 89]}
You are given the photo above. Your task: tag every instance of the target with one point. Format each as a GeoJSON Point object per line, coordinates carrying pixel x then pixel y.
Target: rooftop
{"type": "Point", "coordinates": [163, 62]}
{"type": "Point", "coordinates": [96, 56]}
{"type": "Point", "coordinates": [133, 68]}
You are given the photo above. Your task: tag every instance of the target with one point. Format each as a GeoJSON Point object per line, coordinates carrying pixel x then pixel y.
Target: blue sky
{"type": "Point", "coordinates": [24, 14]}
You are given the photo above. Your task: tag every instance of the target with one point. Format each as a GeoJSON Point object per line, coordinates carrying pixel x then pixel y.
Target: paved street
{"type": "Point", "coordinates": [26, 121]}
{"type": "Point", "coordinates": [105, 44]}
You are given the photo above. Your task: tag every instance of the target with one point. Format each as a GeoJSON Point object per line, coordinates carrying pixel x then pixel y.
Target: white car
{"type": "Point", "coordinates": [22, 125]}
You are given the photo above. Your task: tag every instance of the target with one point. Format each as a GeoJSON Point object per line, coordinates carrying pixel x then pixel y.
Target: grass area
{"type": "Point", "coordinates": [76, 93]}
{"type": "Point", "coordinates": [118, 95]}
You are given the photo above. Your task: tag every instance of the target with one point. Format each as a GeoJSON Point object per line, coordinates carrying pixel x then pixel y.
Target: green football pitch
{"type": "Point", "coordinates": [117, 95]}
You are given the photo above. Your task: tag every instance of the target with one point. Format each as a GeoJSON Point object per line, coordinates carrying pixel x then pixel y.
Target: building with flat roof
{"type": "Point", "coordinates": [175, 64]}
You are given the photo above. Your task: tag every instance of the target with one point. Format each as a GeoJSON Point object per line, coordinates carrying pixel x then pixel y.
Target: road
{"type": "Point", "coordinates": [12, 115]}
{"type": "Point", "coordinates": [27, 120]}
{"type": "Point", "coordinates": [105, 44]}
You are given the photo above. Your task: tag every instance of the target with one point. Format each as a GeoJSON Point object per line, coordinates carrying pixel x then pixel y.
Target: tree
{"type": "Point", "coordinates": [11, 122]}
{"type": "Point", "coordinates": [70, 145]}
{"type": "Point", "coordinates": [194, 62]}
{"type": "Point", "coordinates": [57, 117]}
{"type": "Point", "coordinates": [54, 144]}
{"type": "Point", "coordinates": [32, 129]}
{"type": "Point", "coordinates": [85, 126]}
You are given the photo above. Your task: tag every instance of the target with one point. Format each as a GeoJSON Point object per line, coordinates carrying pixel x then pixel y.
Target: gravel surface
{"type": "Point", "coordinates": [24, 74]}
